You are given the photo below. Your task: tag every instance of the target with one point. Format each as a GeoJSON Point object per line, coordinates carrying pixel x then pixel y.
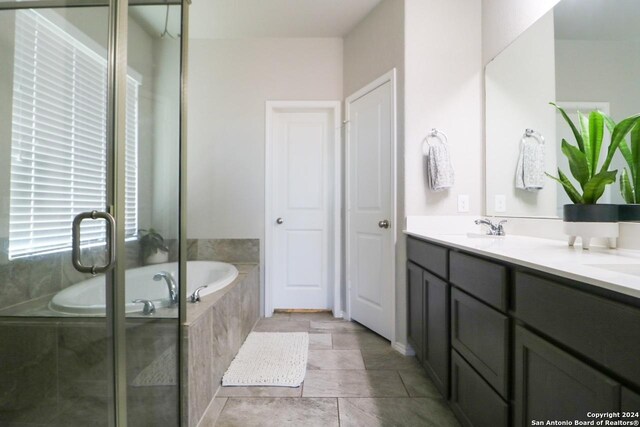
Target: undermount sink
{"type": "Point", "coordinates": [633, 269]}
{"type": "Point", "coordinates": [483, 236]}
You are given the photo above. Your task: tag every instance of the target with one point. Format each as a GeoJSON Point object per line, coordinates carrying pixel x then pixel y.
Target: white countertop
{"type": "Point", "coordinates": [614, 269]}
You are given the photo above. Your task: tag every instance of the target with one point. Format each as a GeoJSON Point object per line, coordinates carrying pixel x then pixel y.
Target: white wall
{"type": "Point", "coordinates": [230, 81]}
{"type": "Point", "coordinates": [443, 90]}
{"type": "Point", "coordinates": [504, 20]}
{"type": "Point", "coordinates": [374, 47]}
{"type": "Point", "coordinates": [520, 83]}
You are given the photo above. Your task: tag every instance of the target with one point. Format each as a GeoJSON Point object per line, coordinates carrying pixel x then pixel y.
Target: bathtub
{"type": "Point", "coordinates": [87, 298]}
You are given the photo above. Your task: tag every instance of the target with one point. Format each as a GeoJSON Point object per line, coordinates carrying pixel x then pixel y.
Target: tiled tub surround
{"type": "Point", "coordinates": [32, 281]}
{"type": "Point", "coordinates": [215, 329]}
{"type": "Point", "coordinates": [224, 250]}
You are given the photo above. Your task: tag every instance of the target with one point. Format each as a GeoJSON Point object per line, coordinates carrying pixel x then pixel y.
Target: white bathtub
{"type": "Point", "coordinates": [87, 298]}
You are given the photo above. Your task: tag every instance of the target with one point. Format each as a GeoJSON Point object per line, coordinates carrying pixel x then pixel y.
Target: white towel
{"type": "Point", "coordinates": [530, 169]}
{"type": "Point", "coordinates": [439, 169]}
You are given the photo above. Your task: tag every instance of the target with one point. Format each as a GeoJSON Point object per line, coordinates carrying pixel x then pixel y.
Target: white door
{"type": "Point", "coordinates": [301, 220]}
{"type": "Point", "coordinates": [370, 207]}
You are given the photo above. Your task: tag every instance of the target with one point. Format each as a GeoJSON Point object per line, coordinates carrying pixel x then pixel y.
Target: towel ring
{"type": "Point", "coordinates": [434, 133]}
{"type": "Point", "coordinates": [530, 133]}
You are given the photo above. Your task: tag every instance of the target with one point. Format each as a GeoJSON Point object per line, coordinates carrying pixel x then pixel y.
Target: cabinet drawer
{"type": "Point", "coordinates": [472, 400]}
{"type": "Point", "coordinates": [602, 330]}
{"type": "Point", "coordinates": [483, 279]}
{"type": "Point", "coordinates": [432, 257]}
{"type": "Point", "coordinates": [480, 334]}
{"type": "Point", "coordinates": [553, 385]}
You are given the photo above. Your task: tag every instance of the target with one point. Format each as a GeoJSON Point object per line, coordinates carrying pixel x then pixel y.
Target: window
{"type": "Point", "coordinates": [58, 147]}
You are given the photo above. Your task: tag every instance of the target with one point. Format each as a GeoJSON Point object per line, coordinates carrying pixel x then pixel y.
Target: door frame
{"type": "Point", "coordinates": [336, 216]}
{"type": "Point", "coordinates": [388, 77]}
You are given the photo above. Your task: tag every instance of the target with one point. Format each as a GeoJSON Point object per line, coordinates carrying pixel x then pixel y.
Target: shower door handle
{"type": "Point", "coordinates": [110, 239]}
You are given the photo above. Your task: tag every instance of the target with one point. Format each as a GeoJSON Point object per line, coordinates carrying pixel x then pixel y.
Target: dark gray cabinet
{"type": "Point", "coordinates": [415, 325]}
{"type": "Point", "coordinates": [472, 400]}
{"type": "Point", "coordinates": [552, 385]}
{"type": "Point", "coordinates": [428, 313]}
{"type": "Point", "coordinates": [509, 344]}
{"type": "Point", "coordinates": [437, 348]}
{"type": "Point", "coordinates": [630, 401]}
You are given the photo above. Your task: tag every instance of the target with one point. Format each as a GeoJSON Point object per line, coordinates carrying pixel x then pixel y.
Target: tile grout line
{"type": "Point", "coordinates": [403, 384]}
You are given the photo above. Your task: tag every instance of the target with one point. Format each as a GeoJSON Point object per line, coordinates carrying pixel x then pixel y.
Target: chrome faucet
{"type": "Point", "coordinates": [494, 229]}
{"type": "Point", "coordinates": [149, 306]}
{"type": "Point", "coordinates": [171, 284]}
{"type": "Point", "coordinates": [195, 296]}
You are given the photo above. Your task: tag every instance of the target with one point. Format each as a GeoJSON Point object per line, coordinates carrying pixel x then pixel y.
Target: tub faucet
{"type": "Point", "coordinates": [195, 296]}
{"type": "Point", "coordinates": [494, 229]}
{"type": "Point", "coordinates": [171, 284]}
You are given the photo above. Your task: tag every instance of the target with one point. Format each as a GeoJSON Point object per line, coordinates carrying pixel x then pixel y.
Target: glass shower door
{"type": "Point", "coordinates": [86, 339]}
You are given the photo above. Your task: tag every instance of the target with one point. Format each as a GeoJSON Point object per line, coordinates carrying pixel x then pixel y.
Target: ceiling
{"type": "Point", "coordinates": [224, 19]}
{"type": "Point", "coordinates": [615, 20]}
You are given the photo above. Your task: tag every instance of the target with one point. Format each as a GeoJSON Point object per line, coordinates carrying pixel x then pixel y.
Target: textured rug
{"type": "Point", "coordinates": [162, 371]}
{"type": "Point", "coordinates": [270, 359]}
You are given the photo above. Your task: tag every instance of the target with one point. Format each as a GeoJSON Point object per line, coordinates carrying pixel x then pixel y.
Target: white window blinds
{"type": "Point", "coordinates": [58, 152]}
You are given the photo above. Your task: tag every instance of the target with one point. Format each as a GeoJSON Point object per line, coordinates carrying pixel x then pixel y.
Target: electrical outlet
{"type": "Point", "coordinates": [500, 203]}
{"type": "Point", "coordinates": [463, 203]}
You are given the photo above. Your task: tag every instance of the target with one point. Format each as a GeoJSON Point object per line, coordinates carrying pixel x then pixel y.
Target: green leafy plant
{"type": "Point", "coordinates": [151, 242]}
{"type": "Point", "coordinates": [584, 157]}
{"type": "Point", "coordinates": [630, 178]}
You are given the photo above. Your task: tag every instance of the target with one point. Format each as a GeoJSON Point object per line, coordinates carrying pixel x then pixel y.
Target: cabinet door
{"type": "Point", "coordinates": [437, 352]}
{"type": "Point", "coordinates": [415, 319]}
{"type": "Point", "coordinates": [553, 385]}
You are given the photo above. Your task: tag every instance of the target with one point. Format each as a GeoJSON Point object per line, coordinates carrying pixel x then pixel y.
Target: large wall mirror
{"type": "Point", "coordinates": [583, 55]}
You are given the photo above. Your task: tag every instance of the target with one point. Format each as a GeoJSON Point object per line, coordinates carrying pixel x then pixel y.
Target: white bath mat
{"type": "Point", "coordinates": [162, 371]}
{"type": "Point", "coordinates": [270, 359]}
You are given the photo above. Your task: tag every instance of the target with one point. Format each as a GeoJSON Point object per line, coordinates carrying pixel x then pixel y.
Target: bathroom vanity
{"type": "Point", "coordinates": [517, 329]}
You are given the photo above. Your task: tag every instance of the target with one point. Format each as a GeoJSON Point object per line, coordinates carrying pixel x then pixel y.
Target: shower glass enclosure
{"type": "Point", "coordinates": [91, 298]}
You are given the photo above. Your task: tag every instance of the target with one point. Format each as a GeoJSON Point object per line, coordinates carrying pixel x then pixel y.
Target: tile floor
{"type": "Point", "coordinates": [353, 378]}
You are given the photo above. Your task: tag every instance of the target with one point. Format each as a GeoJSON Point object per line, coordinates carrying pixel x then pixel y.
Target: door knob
{"type": "Point", "coordinates": [384, 223]}
{"type": "Point", "coordinates": [279, 221]}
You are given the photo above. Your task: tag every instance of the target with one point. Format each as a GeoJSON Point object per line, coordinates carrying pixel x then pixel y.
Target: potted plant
{"type": "Point", "coordinates": [153, 249]}
{"type": "Point", "coordinates": [586, 218]}
{"type": "Point", "coordinates": [630, 178]}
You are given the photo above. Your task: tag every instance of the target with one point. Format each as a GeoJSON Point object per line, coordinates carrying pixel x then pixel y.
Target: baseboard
{"type": "Point", "coordinates": [404, 349]}
{"type": "Point", "coordinates": [339, 315]}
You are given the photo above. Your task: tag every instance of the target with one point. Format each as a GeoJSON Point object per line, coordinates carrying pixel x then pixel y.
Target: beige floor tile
{"type": "Point", "coordinates": [213, 412]}
{"type": "Point", "coordinates": [278, 412]}
{"type": "Point", "coordinates": [260, 392]}
{"type": "Point", "coordinates": [418, 384]}
{"type": "Point", "coordinates": [335, 359]}
{"type": "Point", "coordinates": [376, 412]}
{"type": "Point", "coordinates": [337, 326]}
{"type": "Point", "coordinates": [389, 359]}
{"type": "Point", "coordinates": [318, 317]}
{"type": "Point", "coordinates": [320, 342]}
{"type": "Point", "coordinates": [281, 325]}
{"type": "Point", "coordinates": [353, 383]}
{"type": "Point", "coordinates": [359, 340]}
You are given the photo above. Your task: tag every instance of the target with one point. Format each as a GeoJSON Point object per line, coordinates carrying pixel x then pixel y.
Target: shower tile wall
{"type": "Point", "coordinates": [54, 373]}
{"type": "Point", "coordinates": [224, 250]}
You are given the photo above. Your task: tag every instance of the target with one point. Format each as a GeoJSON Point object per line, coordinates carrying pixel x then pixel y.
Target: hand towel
{"type": "Point", "coordinates": [531, 162]}
{"type": "Point", "coordinates": [439, 170]}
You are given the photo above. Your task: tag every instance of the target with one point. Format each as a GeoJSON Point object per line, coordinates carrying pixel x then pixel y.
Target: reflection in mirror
{"type": "Point", "coordinates": [583, 55]}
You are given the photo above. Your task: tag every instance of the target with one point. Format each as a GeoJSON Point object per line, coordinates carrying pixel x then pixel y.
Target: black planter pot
{"type": "Point", "coordinates": [592, 213]}
{"type": "Point", "coordinates": [629, 213]}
